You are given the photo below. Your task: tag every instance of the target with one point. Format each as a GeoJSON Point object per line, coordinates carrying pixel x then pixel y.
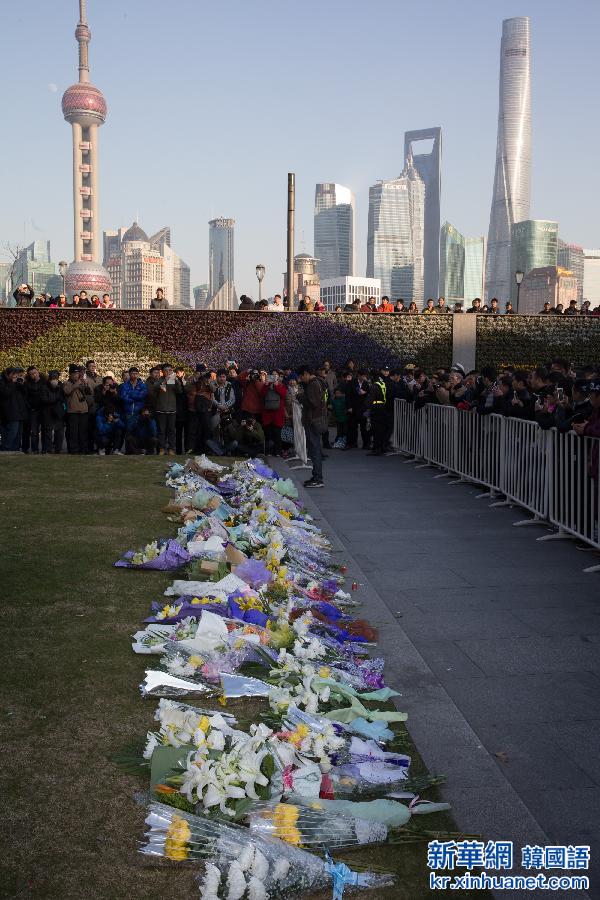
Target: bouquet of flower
{"type": "Point", "coordinates": [312, 827]}
{"type": "Point", "coordinates": [240, 864]}
{"type": "Point", "coordinates": [164, 555]}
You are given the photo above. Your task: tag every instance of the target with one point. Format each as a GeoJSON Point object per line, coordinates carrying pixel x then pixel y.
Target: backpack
{"type": "Point", "coordinates": [272, 400]}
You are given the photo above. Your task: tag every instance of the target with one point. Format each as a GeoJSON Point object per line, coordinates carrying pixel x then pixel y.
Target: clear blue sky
{"type": "Point", "coordinates": [212, 103]}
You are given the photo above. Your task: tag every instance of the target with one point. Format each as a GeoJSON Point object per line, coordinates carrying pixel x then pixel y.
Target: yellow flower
{"type": "Point", "coordinates": [196, 661]}
{"type": "Point", "coordinates": [223, 700]}
{"type": "Point", "coordinates": [178, 835]}
{"type": "Point", "coordinates": [324, 672]}
{"type": "Point", "coordinates": [303, 731]}
{"type": "Point", "coordinates": [204, 724]}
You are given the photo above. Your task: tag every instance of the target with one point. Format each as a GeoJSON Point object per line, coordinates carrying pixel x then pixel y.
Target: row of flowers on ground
{"type": "Point", "coordinates": [268, 753]}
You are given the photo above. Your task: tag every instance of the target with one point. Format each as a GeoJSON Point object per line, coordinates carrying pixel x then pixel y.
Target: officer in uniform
{"type": "Point", "coordinates": [378, 406]}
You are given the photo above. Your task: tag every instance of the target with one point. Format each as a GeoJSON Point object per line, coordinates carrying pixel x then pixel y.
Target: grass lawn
{"type": "Point", "coordinates": [71, 819]}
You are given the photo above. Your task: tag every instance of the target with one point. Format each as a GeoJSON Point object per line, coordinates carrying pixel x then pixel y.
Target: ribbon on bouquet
{"type": "Point", "coordinates": [341, 876]}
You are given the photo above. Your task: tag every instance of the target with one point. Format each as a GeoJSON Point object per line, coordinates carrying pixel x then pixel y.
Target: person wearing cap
{"type": "Point", "coordinates": [357, 392]}
{"type": "Point", "coordinates": [53, 414]}
{"type": "Point", "coordinates": [377, 402]}
{"type": "Point", "coordinates": [546, 310]}
{"type": "Point", "coordinates": [77, 392]}
{"type": "Point", "coordinates": [13, 409]}
{"type": "Point", "coordinates": [576, 411]}
{"type": "Point", "coordinates": [508, 309]}
{"type": "Point", "coordinates": [33, 397]}
{"type": "Point", "coordinates": [571, 309]}
{"type": "Point", "coordinates": [246, 303]}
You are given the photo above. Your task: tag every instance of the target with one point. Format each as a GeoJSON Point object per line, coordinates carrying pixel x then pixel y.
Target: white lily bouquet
{"type": "Point", "coordinates": [240, 865]}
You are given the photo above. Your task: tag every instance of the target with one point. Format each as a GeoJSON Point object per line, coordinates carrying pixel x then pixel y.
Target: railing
{"type": "Point", "coordinates": [554, 476]}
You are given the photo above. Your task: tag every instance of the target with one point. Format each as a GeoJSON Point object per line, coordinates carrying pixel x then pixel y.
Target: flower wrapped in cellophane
{"type": "Point", "coordinates": [311, 826]}
{"type": "Point", "coordinates": [164, 555]}
{"type": "Point", "coordinates": [239, 864]}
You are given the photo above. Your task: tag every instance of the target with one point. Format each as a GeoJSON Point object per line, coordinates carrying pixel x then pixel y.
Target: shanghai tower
{"type": "Point", "coordinates": [510, 200]}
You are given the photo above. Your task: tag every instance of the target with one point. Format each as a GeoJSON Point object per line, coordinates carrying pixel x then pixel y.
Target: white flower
{"type": "Point", "coordinates": [250, 774]}
{"type": "Point", "coordinates": [216, 740]}
{"type": "Point", "coordinates": [151, 744]}
{"type": "Point", "coordinates": [218, 793]}
{"type": "Point", "coordinates": [260, 865]}
{"type": "Point", "coordinates": [235, 882]}
{"type": "Point", "coordinates": [257, 890]}
{"type": "Point", "coordinates": [211, 882]}
{"type": "Point", "coordinates": [246, 857]}
{"type": "Point", "coordinates": [281, 868]}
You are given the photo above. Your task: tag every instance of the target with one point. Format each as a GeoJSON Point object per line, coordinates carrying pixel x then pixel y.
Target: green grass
{"type": "Point", "coordinates": [69, 699]}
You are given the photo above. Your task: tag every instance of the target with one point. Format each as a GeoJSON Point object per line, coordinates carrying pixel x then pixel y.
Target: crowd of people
{"type": "Point", "coordinates": [24, 296]}
{"type": "Point", "coordinates": [226, 411]}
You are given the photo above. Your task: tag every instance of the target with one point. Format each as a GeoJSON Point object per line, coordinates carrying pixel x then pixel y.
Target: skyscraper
{"type": "Point", "coordinates": [534, 245]}
{"type": "Point", "coordinates": [220, 254]}
{"type": "Point", "coordinates": [429, 166]}
{"type": "Point", "coordinates": [452, 263]}
{"type": "Point", "coordinates": [138, 265]}
{"type": "Point", "coordinates": [395, 236]}
{"type": "Point", "coordinates": [474, 268]}
{"type": "Point", "coordinates": [591, 275]}
{"type": "Point", "coordinates": [335, 212]}
{"type": "Point", "coordinates": [510, 199]}
{"type": "Point", "coordinates": [570, 256]}
{"type": "Point", "coordinates": [33, 266]}
{"type": "Point", "coordinates": [84, 107]}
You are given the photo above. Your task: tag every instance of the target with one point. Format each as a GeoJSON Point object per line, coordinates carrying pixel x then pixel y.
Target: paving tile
{"type": "Point", "coordinates": [528, 655]}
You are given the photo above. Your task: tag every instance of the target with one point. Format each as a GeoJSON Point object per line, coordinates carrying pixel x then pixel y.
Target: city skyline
{"type": "Point", "coordinates": [191, 185]}
{"type": "Point", "coordinates": [334, 230]}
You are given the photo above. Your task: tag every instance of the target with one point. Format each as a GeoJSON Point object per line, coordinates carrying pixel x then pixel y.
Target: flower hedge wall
{"type": "Point", "coordinates": [117, 339]}
{"type": "Point", "coordinates": [529, 341]}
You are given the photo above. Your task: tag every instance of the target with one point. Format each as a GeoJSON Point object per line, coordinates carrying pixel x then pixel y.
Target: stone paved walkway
{"type": "Point", "coordinates": [493, 640]}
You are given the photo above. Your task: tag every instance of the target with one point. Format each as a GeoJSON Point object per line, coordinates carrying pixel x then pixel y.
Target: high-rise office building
{"type": "Point", "coordinates": [5, 270]}
{"type": "Point", "coordinates": [344, 291]}
{"type": "Point", "coordinates": [33, 266]}
{"type": "Point", "coordinates": [534, 245]}
{"type": "Point", "coordinates": [548, 284]}
{"type": "Point", "coordinates": [452, 263]}
{"type": "Point", "coordinates": [591, 276]}
{"type": "Point", "coordinates": [474, 285]}
{"type": "Point", "coordinates": [334, 224]}
{"type": "Point", "coordinates": [201, 296]}
{"type": "Point", "coordinates": [138, 265]}
{"type": "Point", "coordinates": [429, 166]}
{"type": "Point", "coordinates": [570, 256]}
{"type": "Point", "coordinates": [510, 199]}
{"type": "Point", "coordinates": [84, 107]}
{"type": "Point", "coordinates": [395, 235]}
{"type": "Point", "coordinates": [220, 254]}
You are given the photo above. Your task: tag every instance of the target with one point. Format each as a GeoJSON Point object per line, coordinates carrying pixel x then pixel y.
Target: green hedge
{"type": "Point", "coordinates": [528, 341]}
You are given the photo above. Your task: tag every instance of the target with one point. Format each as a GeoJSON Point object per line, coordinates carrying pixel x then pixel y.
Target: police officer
{"type": "Point", "coordinates": [378, 408]}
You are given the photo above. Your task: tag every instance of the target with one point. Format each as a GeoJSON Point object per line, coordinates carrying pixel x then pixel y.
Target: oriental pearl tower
{"type": "Point", "coordinates": [84, 107]}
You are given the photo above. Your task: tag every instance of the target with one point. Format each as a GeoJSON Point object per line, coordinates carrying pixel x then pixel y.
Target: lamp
{"type": "Point", "coordinates": [62, 268]}
{"type": "Point", "coordinates": [519, 278]}
{"type": "Point", "coordinates": [260, 274]}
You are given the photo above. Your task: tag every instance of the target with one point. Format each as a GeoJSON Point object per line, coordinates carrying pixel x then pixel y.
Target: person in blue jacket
{"type": "Point", "coordinates": [133, 393]}
{"type": "Point", "coordinates": [109, 431]}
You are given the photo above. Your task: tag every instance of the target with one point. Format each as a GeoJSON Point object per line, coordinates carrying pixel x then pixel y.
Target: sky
{"type": "Point", "coordinates": [210, 105]}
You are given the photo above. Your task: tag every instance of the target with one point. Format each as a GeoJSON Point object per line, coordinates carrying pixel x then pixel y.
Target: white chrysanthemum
{"type": "Point", "coordinates": [257, 890]}
{"type": "Point", "coordinates": [236, 883]}
{"type": "Point", "coordinates": [246, 857]}
{"type": "Point", "coordinates": [209, 889]}
{"type": "Point", "coordinates": [281, 869]}
{"type": "Point", "coordinates": [260, 865]}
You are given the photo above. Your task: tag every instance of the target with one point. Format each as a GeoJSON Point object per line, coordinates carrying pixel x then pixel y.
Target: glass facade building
{"type": "Point", "coordinates": [396, 235]}
{"type": "Point", "coordinates": [334, 230]}
{"type": "Point", "coordinates": [452, 263]}
{"type": "Point", "coordinates": [534, 245]}
{"type": "Point", "coordinates": [220, 254]}
{"type": "Point", "coordinates": [344, 291]}
{"type": "Point", "coordinates": [429, 166]}
{"type": "Point", "coordinates": [510, 199]}
{"type": "Point", "coordinates": [34, 267]}
{"type": "Point", "coordinates": [474, 282]}
{"type": "Point", "coordinates": [570, 256]}
{"type": "Point", "coordinates": [549, 284]}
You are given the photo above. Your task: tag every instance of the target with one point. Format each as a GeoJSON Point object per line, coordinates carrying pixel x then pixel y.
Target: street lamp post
{"type": "Point", "coordinates": [519, 278]}
{"type": "Point", "coordinates": [260, 274]}
{"type": "Point", "coordinates": [62, 268]}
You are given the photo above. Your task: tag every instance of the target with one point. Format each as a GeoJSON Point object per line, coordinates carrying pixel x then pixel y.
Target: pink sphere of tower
{"type": "Point", "coordinates": [85, 104]}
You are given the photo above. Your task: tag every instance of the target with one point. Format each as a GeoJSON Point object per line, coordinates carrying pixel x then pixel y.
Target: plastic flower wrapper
{"type": "Point", "coordinates": [238, 863]}
{"type": "Point", "coordinates": [286, 487]}
{"type": "Point", "coordinates": [313, 827]}
{"type": "Point", "coordinates": [163, 684]}
{"type": "Point", "coordinates": [163, 555]}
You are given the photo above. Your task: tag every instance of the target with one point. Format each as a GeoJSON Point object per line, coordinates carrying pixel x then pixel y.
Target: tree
{"type": "Point", "coordinates": [12, 251]}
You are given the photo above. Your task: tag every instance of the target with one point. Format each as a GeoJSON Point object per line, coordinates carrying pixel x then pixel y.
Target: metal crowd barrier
{"type": "Point", "coordinates": [553, 476]}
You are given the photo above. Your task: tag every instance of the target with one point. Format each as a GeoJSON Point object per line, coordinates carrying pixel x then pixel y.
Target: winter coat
{"type": "Point", "coordinates": [252, 398]}
{"type": "Point", "coordinates": [13, 407]}
{"type": "Point", "coordinates": [76, 394]}
{"type": "Point", "coordinates": [133, 397]}
{"type": "Point", "coordinates": [34, 392]}
{"type": "Point", "coordinates": [142, 427]}
{"type": "Point", "coordinates": [104, 427]}
{"type": "Point", "coordinates": [313, 403]}
{"type": "Point", "coordinates": [53, 399]}
{"type": "Point", "coordinates": [274, 417]}
{"type": "Point", "coordinates": [94, 381]}
{"type": "Point", "coordinates": [164, 396]}
{"type": "Point", "coordinates": [25, 298]}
